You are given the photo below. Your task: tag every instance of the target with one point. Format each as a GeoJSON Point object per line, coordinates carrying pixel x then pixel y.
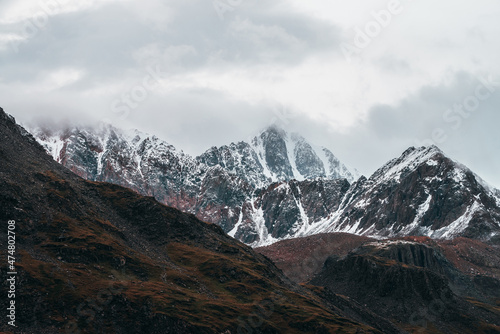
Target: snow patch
{"type": "Point", "coordinates": [415, 225]}
{"type": "Point", "coordinates": [458, 226]}
{"type": "Point", "coordinates": [385, 244]}
{"type": "Point", "coordinates": [291, 146]}
{"type": "Point", "coordinates": [407, 163]}
{"type": "Point", "coordinates": [232, 233]}
{"type": "Point", "coordinates": [431, 162]}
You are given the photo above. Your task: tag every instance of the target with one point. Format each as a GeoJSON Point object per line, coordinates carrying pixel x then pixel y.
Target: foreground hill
{"type": "Point", "coordinates": [419, 284]}
{"type": "Point", "coordinates": [98, 258]}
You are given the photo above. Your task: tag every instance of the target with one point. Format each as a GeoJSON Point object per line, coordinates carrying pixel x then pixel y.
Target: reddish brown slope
{"type": "Point", "coordinates": [301, 258]}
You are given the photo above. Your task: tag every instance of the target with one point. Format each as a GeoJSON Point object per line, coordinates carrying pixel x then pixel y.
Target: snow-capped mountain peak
{"type": "Point", "coordinates": [423, 192]}
{"type": "Point", "coordinates": [277, 185]}
{"type": "Point", "coordinates": [410, 160]}
{"type": "Point", "coordinates": [286, 156]}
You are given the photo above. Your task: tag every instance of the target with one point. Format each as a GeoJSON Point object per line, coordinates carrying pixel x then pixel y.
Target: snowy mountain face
{"type": "Point", "coordinates": [131, 159]}
{"type": "Point", "coordinates": [420, 193]}
{"type": "Point", "coordinates": [279, 186]}
{"type": "Point", "coordinates": [288, 209]}
{"type": "Point", "coordinates": [275, 156]}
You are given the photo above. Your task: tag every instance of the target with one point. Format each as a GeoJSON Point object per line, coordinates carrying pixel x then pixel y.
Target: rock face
{"type": "Point", "coordinates": [288, 209]}
{"type": "Point", "coordinates": [278, 186]}
{"type": "Point", "coordinates": [99, 258]}
{"type": "Point", "coordinates": [132, 159]}
{"type": "Point", "coordinates": [301, 266]}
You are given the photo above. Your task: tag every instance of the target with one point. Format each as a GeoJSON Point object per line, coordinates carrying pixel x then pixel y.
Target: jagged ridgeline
{"type": "Point", "coordinates": [229, 185]}
{"type": "Point", "coordinates": [279, 186]}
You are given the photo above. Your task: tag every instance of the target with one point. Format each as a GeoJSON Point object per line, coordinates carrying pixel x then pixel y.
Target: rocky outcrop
{"type": "Point", "coordinates": [412, 283]}
{"type": "Point", "coordinates": [302, 265]}
{"type": "Point", "coordinates": [288, 209]}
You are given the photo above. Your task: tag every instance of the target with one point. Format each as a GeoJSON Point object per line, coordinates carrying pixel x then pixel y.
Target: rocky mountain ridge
{"type": "Point", "coordinates": [278, 186]}
{"type": "Point", "coordinates": [224, 185]}
{"type": "Point", "coordinates": [422, 285]}
{"type": "Point", "coordinates": [423, 192]}
{"type": "Point", "coordinates": [275, 156]}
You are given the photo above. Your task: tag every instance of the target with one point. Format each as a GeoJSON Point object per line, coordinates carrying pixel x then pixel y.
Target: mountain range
{"type": "Point", "coordinates": [95, 257]}
{"type": "Point", "coordinates": [278, 186]}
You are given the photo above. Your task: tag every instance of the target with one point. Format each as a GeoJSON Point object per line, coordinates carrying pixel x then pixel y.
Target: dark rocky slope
{"type": "Point", "coordinates": [414, 285]}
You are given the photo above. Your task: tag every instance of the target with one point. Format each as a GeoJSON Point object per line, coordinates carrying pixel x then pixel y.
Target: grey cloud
{"type": "Point", "coordinates": [194, 120]}
{"type": "Point", "coordinates": [114, 44]}
{"type": "Point", "coordinates": [392, 64]}
{"type": "Point", "coordinates": [103, 40]}
{"type": "Point", "coordinates": [390, 129]}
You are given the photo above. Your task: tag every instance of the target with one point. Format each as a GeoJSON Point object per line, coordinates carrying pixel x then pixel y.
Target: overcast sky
{"type": "Point", "coordinates": [367, 79]}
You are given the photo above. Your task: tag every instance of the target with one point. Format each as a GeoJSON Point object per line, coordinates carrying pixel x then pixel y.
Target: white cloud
{"type": "Point", "coordinates": [39, 10]}
{"type": "Point", "coordinates": [60, 78]}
